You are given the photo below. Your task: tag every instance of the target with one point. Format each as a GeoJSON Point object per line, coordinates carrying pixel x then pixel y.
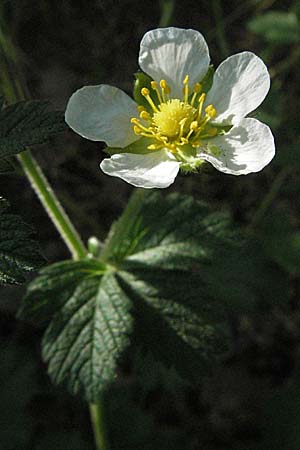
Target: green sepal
{"type": "Point", "coordinates": [206, 82]}
{"type": "Point", "coordinates": [138, 147]}
{"type": "Point", "coordinates": [143, 80]}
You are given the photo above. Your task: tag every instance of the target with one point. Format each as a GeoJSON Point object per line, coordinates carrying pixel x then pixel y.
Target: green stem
{"type": "Point", "coordinates": [98, 426]}
{"type": "Point", "coordinates": [14, 92]}
{"type": "Point", "coordinates": [269, 198]}
{"type": "Point", "coordinates": [51, 204]}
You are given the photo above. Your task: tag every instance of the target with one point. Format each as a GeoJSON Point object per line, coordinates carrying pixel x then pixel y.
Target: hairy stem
{"type": "Point", "coordinates": [13, 92]}
{"type": "Point", "coordinates": [98, 426]}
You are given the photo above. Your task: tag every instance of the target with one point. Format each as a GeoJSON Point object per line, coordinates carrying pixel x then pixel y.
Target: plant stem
{"type": "Point", "coordinates": [14, 92]}
{"type": "Point", "coordinates": [51, 204]}
{"type": "Point", "coordinates": [98, 426]}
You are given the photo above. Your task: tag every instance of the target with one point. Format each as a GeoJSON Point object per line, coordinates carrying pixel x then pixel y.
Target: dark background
{"type": "Point", "coordinates": [63, 45]}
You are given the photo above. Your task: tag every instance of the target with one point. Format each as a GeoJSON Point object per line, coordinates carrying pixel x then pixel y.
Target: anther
{"type": "Point", "coordinates": [145, 91]}
{"type": "Point", "coordinates": [197, 88]}
{"type": "Point", "coordinates": [211, 111]}
{"type": "Point", "coordinates": [154, 86]}
{"type": "Point", "coordinates": [186, 80]}
{"type": "Point", "coordinates": [194, 125]}
{"type": "Point", "coordinates": [186, 88]}
{"type": "Point", "coordinates": [137, 130]}
{"type": "Point", "coordinates": [145, 115]}
{"type": "Point", "coordinates": [165, 87]}
{"type": "Point", "coordinates": [140, 108]}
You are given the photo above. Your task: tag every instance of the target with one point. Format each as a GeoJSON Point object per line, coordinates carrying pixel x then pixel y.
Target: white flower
{"type": "Point", "coordinates": [182, 127]}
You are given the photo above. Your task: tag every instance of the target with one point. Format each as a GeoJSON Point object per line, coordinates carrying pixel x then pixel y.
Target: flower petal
{"type": "Point", "coordinates": [154, 170]}
{"type": "Point", "coordinates": [240, 85]}
{"type": "Point", "coordinates": [248, 147]}
{"type": "Point", "coordinates": [102, 113]}
{"type": "Point", "coordinates": [171, 54]}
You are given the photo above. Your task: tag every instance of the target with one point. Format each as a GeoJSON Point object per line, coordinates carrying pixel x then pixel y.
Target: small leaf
{"type": "Point", "coordinates": [19, 254]}
{"type": "Point", "coordinates": [277, 27]}
{"type": "Point", "coordinates": [89, 327]}
{"type": "Point", "coordinates": [27, 123]}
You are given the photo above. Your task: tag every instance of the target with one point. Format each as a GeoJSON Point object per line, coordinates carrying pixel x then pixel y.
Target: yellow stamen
{"type": "Point", "coordinates": [165, 89]}
{"type": "Point", "coordinates": [141, 108]}
{"type": "Point", "coordinates": [211, 111]}
{"type": "Point", "coordinates": [137, 123]}
{"type": "Point", "coordinates": [154, 86]}
{"type": "Point", "coordinates": [155, 146]}
{"type": "Point", "coordinates": [186, 88]}
{"type": "Point", "coordinates": [197, 88]}
{"type": "Point", "coordinates": [137, 130]}
{"type": "Point", "coordinates": [193, 127]}
{"type": "Point", "coordinates": [174, 123]}
{"type": "Point", "coordinates": [201, 101]}
{"type": "Point", "coordinates": [145, 115]}
{"type": "Point", "coordinates": [146, 93]}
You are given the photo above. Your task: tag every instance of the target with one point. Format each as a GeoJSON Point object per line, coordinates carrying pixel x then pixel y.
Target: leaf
{"type": "Point", "coordinates": [19, 253]}
{"type": "Point", "coordinates": [171, 252]}
{"type": "Point", "coordinates": [89, 327]}
{"type": "Point", "coordinates": [169, 274]}
{"type": "Point", "coordinates": [277, 27]}
{"type": "Point", "coordinates": [27, 123]}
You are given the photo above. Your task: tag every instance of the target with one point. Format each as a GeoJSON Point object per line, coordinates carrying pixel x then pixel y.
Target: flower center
{"type": "Point", "coordinates": [173, 123]}
{"type": "Point", "coordinates": [174, 117]}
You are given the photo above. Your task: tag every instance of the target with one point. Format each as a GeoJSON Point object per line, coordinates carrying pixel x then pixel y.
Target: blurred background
{"type": "Point", "coordinates": [253, 400]}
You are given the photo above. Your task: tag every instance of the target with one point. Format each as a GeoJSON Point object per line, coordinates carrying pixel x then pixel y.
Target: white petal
{"type": "Point", "coordinates": [240, 85]}
{"type": "Point", "coordinates": [102, 113]}
{"type": "Point", "coordinates": [173, 53]}
{"type": "Point", "coordinates": [248, 147]}
{"type": "Point", "coordinates": [154, 170]}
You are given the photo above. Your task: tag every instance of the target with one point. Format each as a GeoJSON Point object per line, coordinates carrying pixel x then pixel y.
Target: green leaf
{"type": "Point", "coordinates": [89, 327]}
{"type": "Point", "coordinates": [19, 253]}
{"type": "Point", "coordinates": [162, 278]}
{"type": "Point", "coordinates": [277, 27]}
{"type": "Point", "coordinates": [27, 123]}
{"type": "Point", "coordinates": [170, 252]}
